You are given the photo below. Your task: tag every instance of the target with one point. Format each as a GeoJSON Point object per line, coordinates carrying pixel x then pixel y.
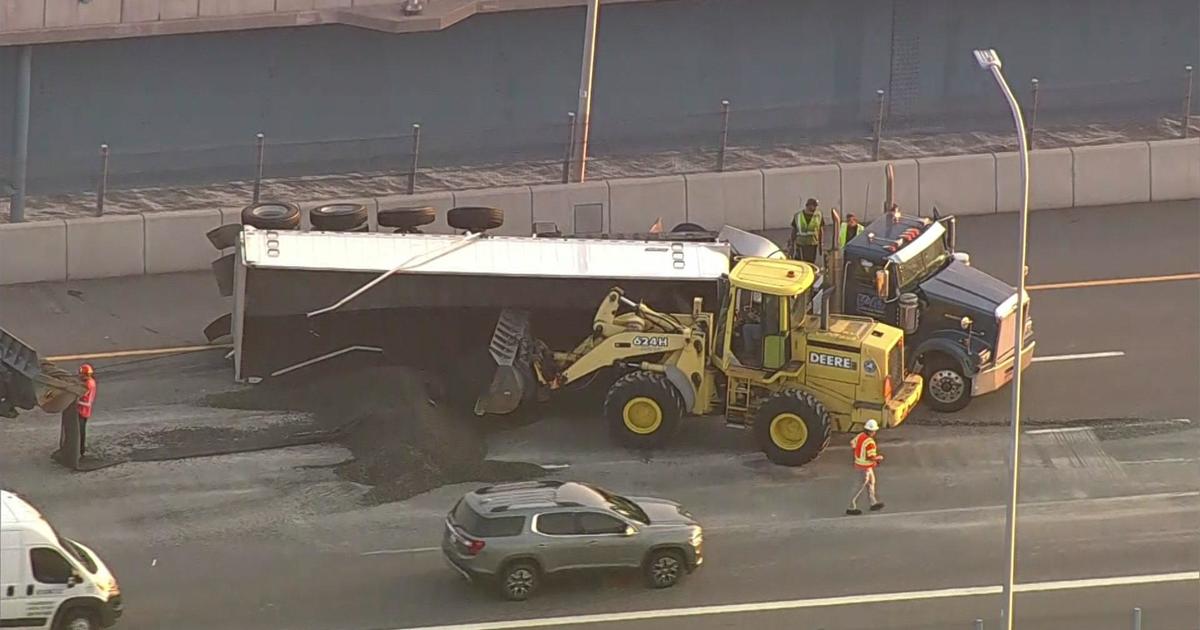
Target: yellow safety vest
{"type": "Point", "coordinates": [806, 228]}
{"type": "Point", "coordinates": [845, 236]}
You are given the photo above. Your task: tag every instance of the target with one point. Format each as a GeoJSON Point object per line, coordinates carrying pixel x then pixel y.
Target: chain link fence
{"type": "Point", "coordinates": [719, 136]}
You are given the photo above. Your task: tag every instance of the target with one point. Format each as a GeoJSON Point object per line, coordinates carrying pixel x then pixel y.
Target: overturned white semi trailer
{"type": "Point", "coordinates": [301, 298]}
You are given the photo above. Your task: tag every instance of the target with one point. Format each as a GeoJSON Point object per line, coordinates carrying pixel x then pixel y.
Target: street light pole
{"type": "Point", "coordinates": [579, 159]}
{"type": "Point", "coordinates": [989, 60]}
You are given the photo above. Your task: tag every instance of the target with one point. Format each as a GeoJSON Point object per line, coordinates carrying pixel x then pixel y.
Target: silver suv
{"type": "Point", "coordinates": [514, 535]}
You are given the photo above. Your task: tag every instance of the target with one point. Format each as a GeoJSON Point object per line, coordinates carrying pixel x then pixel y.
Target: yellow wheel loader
{"type": "Point", "coordinates": [772, 359]}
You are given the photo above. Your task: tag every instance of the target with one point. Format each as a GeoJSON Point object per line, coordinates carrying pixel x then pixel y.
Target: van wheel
{"type": "Point", "coordinates": [519, 580]}
{"type": "Point", "coordinates": [78, 619]}
{"type": "Point", "coordinates": [947, 388]}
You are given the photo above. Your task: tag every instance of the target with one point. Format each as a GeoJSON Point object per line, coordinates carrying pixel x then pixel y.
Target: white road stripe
{"type": "Point", "coordinates": [389, 552]}
{"type": "Point", "coordinates": [1077, 357]}
{"type": "Point", "coordinates": [821, 602]}
{"type": "Point", "coordinates": [1114, 425]}
{"type": "Point", "coordinates": [1168, 460]}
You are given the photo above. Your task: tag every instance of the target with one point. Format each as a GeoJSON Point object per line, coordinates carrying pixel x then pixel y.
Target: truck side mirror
{"type": "Point", "coordinates": [881, 283]}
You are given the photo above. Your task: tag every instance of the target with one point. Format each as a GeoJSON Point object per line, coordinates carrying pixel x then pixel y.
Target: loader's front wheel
{"type": "Point", "coordinates": [643, 409]}
{"type": "Point", "coordinates": [792, 428]}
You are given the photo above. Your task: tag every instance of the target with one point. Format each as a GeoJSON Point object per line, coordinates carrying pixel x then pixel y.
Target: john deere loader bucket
{"type": "Point", "coordinates": [514, 381]}
{"type": "Point", "coordinates": [26, 382]}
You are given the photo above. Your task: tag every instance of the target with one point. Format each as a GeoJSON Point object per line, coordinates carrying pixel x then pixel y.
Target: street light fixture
{"type": "Point", "coordinates": [990, 61]}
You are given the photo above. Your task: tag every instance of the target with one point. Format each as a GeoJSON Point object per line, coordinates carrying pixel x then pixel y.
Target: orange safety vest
{"type": "Point", "coordinates": [866, 454]}
{"type": "Point", "coordinates": [86, 400]}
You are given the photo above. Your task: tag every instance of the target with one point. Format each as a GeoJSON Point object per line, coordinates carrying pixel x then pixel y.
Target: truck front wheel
{"type": "Point", "coordinates": [792, 428]}
{"type": "Point", "coordinates": [947, 388]}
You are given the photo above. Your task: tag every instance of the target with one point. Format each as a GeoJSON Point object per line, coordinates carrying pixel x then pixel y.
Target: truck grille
{"type": "Point", "coordinates": [1008, 333]}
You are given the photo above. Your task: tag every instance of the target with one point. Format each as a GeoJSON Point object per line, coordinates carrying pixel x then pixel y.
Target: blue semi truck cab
{"type": "Point", "coordinates": [960, 323]}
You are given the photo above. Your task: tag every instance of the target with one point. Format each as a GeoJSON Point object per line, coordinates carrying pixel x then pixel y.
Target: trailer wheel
{"type": "Point", "coordinates": [338, 217]}
{"type": "Point", "coordinates": [792, 427]}
{"type": "Point", "coordinates": [475, 219]}
{"type": "Point", "coordinates": [947, 387]}
{"type": "Point", "coordinates": [643, 409]}
{"type": "Point", "coordinates": [407, 218]}
{"type": "Point", "coordinates": [272, 215]}
{"type": "Point", "coordinates": [688, 227]}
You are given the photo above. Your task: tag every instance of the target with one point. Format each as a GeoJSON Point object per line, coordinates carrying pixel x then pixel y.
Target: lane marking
{"type": "Point", "coordinates": [1077, 357]}
{"type": "Point", "coordinates": [1113, 282]}
{"type": "Point", "coordinates": [821, 602]}
{"type": "Point", "coordinates": [1167, 460]}
{"type": "Point", "coordinates": [116, 354]}
{"type": "Point", "coordinates": [1115, 426]}
{"type": "Point", "coordinates": [392, 552]}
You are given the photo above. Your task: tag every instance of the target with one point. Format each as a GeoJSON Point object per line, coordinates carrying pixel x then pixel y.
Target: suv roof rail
{"type": "Point", "coordinates": [519, 485]}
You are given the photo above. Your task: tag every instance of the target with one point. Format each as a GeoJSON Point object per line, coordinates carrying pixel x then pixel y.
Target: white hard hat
{"type": "Point", "coordinates": [872, 425]}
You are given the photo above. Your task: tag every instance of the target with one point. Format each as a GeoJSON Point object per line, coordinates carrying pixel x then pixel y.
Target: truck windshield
{"type": "Point", "coordinates": [923, 264]}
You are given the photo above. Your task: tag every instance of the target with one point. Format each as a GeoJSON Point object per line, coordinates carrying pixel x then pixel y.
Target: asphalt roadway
{"type": "Point", "coordinates": [270, 540]}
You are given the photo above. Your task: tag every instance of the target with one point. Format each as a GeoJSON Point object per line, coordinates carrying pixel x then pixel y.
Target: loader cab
{"type": "Point", "coordinates": [765, 302]}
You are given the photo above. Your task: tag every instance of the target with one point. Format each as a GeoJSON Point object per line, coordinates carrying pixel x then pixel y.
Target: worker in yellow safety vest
{"type": "Point", "coordinates": [848, 231]}
{"type": "Point", "coordinates": [806, 232]}
{"type": "Point", "coordinates": [866, 459]}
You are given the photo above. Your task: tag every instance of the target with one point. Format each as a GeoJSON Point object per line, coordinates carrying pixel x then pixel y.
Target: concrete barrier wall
{"type": "Point", "coordinates": [516, 202]}
{"type": "Point", "coordinates": [1109, 174]}
{"type": "Point", "coordinates": [962, 184]}
{"type": "Point", "coordinates": [786, 189]}
{"type": "Point", "coordinates": [33, 252]}
{"type": "Point", "coordinates": [1175, 169]}
{"type": "Point", "coordinates": [1051, 184]}
{"type": "Point", "coordinates": [176, 241]}
{"type": "Point", "coordinates": [120, 245]}
{"type": "Point", "coordinates": [716, 199]}
{"type": "Point", "coordinates": [106, 247]}
{"type": "Point", "coordinates": [637, 203]}
{"type": "Point", "coordinates": [574, 208]}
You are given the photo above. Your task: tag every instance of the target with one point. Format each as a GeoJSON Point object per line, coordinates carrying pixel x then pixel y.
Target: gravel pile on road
{"type": "Point", "coordinates": [404, 442]}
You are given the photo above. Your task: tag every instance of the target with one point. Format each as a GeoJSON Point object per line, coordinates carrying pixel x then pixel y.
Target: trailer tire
{"type": "Point", "coordinates": [475, 218]}
{"type": "Point", "coordinates": [792, 427]}
{"type": "Point", "coordinates": [643, 409]}
{"type": "Point", "coordinates": [947, 388]}
{"type": "Point", "coordinates": [688, 227]}
{"type": "Point", "coordinates": [407, 218]}
{"type": "Point", "coordinates": [338, 217]}
{"type": "Point", "coordinates": [272, 215]}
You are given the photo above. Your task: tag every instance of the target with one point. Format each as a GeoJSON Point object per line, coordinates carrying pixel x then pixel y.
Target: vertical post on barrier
{"type": "Point", "coordinates": [16, 208]}
{"type": "Point", "coordinates": [261, 147]}
{"type": "Point", "coordinates": [1187, 103]}
{"type": "Point", "coordinates": [102, 184]}
{"type": "Point", "coordinates": [566, 170]}
{"type": "Point", "coordinates": [878, 125]}
{"type": "Point", "coordinates": [724, 136]}
{"type": "Point", "coordinates": [416, 156]}
{"type": "Point", "coordinates": [1137, 619]}
{"type": "Point", "coordinates": [978, 624]}
{"type": "Point", "coordinates": [580, 154]}
{"type": "Point", "coordinates": [1033, 113]}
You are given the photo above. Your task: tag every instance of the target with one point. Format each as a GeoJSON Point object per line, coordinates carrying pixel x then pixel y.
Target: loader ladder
{"type": "Point", "coordinates": [737, 402]}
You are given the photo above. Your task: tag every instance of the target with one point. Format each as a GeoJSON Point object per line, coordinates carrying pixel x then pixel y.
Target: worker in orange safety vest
{"type": "Point", "coordinates": [866, 459]}
{"type": "Point", "coordinates": [84, 406]}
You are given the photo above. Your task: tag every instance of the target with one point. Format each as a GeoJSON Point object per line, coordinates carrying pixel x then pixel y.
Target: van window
{"type": "Point", "coordinates": [49, 567]}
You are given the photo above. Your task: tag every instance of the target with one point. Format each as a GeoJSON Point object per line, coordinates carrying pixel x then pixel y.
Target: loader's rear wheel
{"type": "Point", "coordinates": [792, 427]}
{"type": "Point", "coordinates": [643, 409]}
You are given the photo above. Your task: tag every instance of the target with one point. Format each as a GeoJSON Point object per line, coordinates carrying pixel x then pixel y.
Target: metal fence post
{"type": "Point", "coordinates": [978, 624]}
{"type": "Point", "coordinates": [102, 185]}
{"type": "Point", "coordinates": [566, 170]}
{"type": "Point", "coordinates": [416, 155]}
{"type": "Point", "coordinates": [1137, 619]}
{"type": "Point", "coordinates": [1033, 113]}
{"type": "Point", "coordinates": [724, 135]}
{"type": "Point", "coordinates": [1187, 103]}
{"type": "Point", "coordinates": [878, 125]}
{"type": "Point", "coordinates": [261, 145]}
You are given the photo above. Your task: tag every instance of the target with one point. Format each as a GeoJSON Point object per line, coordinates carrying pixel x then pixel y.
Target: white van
{"type": "Point", "coordinates": [47, 581]}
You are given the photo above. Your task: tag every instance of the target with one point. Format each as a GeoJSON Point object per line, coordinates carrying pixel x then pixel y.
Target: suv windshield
{"type": "Point", "coordinates": [922, 265]}
{"type": "Point", "coordinates": [623, 506]}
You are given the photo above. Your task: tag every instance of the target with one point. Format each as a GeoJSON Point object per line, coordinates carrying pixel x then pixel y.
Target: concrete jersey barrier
{"type": "Point", "coordinates": [120, 245]}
